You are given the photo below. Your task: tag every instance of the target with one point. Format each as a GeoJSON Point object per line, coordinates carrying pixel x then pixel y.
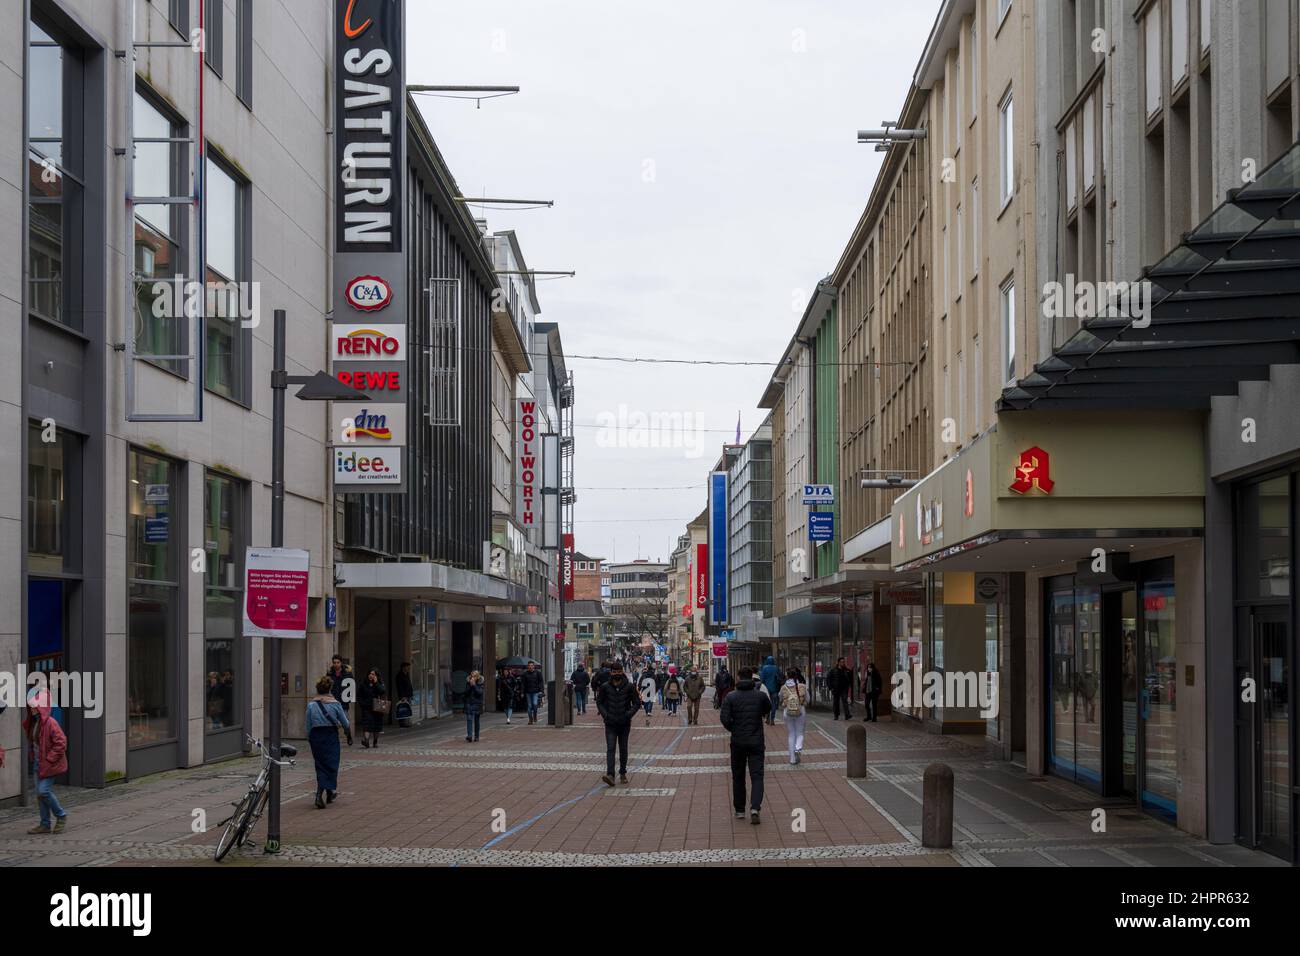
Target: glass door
{"type": "Point", "coordinates": [1128, 735]}
{"type": "Point", "coordinates": [1268, 771]}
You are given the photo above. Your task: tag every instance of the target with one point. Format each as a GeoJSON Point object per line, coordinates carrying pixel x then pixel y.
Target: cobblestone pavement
{"type": "Point", "coordinates": [531, 794]}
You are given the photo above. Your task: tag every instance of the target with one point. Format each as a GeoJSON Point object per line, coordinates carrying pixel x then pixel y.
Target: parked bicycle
{"type": "Point", "coordinates": [248, 811]}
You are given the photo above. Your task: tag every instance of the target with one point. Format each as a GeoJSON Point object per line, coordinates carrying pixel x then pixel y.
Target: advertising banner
{"type": "Point", "coordinates": [528, 464]}
{"type": "Point", "coordinates": [719, 538]}
{"type": "Point", "coordinates": [821, 526]}
{"type": "Point", "coordinates": [719, 649]}
{"type": "Point", "coordinates": [275, 592]}
{"type": "Point", "coordinates": [566, 568]}
{"type": "Point", "coordinates": [701, 575]}
{"type": "Point", "coordinates": [369, 336]}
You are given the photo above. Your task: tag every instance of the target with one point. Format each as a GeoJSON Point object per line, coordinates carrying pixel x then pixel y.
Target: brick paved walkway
{"type": "Point", "coordinates": [532, 794]}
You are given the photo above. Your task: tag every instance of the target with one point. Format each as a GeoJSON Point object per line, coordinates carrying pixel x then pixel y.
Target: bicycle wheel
{"type": "Point", "coordinates": [234, 833]}
{"type": "Point", "coordinates": [253, 814]}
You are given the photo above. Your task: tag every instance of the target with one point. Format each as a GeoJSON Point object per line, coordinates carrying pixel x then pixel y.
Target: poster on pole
{"type": "Point", "coordinates": [719, 649]}
{"type": "Point", "coordinates": [275, 592]}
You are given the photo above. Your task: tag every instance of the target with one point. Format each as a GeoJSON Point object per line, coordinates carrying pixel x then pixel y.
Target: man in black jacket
{"type": "Point", "coordinates": [840, 684]}
{"type": "Point", "coordinates": [616, 702]}
{"type": "Point", "coordinates": [581, 681]}
{"type": "Point", "coordinates": [743, 713]}
{"type": "Point", "coordinates": [533, 688]}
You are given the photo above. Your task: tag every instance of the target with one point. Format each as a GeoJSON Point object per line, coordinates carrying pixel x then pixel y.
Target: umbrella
{"type": "Point", "coordinates": [516, 661]}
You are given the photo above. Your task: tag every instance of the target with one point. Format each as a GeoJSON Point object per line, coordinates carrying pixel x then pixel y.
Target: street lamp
{"type": "Point", "coordinates": [320, 387]}
{"type": "Point", "coordinates": [889, 135]}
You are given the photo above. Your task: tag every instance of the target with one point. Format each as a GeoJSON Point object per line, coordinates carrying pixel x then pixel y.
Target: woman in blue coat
{"type": "Point", "coordinates": [473, 705]}
{"type": "Point", "coordinates": [325, 718]}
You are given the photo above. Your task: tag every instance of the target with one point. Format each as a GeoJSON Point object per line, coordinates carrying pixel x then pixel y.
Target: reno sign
{"type": "Point", "coordinates": [370, 301]}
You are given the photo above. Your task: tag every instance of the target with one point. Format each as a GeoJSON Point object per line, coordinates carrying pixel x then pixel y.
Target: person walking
{"type": "Point", "coordinates": [794, 704]}
{"type": "Point", "coordinates": [672, 694]}
{"type": "Point", "coordinates": [694, 691]}
{"type": "Point", "coordinates": [647, 689]}
{"type": "Point", "coordinates": [48, 756]}
{"type": "Point", "coordinates": [872, 684]}
{"type": "Point", "coordinates": [722, 684]}
{"type": "Point", "coordinates": [473, 705]}
{"type": "Point", "coordinates": [511, 690]}
{"type": "Point", "coordinates": [533, 686]}
{"type": "Point", "coordinates": [372, 698]}
{"type": "Point", "coordinates": [661, 680]}
{"type": "Point", "coordinates": [743, 712]}
{"type": "Point", "coordinates": [342, 684]}
{"type": "Point", "coordinates": [403, 712]}
{"type": "Point", "coordinates": [771, 677]}
{"type": "Point", "coordinates": [598, 678]}
{"type": "Point", "coordinates": [581, 681]}
{"type": "Point", "coordinates": [325, 718]}
{"type": "Point", "coordinates": [616, 702]}
{"type": "Point", "coordinates": [840, 684]}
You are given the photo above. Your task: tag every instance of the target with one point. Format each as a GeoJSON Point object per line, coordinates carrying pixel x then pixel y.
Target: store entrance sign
{"type": "Point", "coordinates": [275, 592]}
{"type": "Point", "coordinates": [720, 649]}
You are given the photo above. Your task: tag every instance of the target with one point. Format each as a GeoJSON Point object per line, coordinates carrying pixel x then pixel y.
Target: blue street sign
{"type": "Point", "coordinates": [331, 612]}
{"type": "Point", "coordinates": [728, 633]}
{"type": "Point", "coordinates": [821, 526]}
{"type": "Point", "coordinates": [155, 530]}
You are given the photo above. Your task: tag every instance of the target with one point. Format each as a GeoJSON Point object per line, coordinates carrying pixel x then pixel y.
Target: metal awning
{"type": "Point", "coordinates": [1224, 308]}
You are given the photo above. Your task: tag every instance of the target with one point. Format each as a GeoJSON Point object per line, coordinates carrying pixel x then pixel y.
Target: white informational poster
{"type": "Point", "coordinates": [275, 592]}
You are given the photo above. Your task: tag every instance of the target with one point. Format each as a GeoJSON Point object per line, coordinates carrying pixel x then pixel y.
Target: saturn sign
{"type": "Point", "coordinates": [368, 293]}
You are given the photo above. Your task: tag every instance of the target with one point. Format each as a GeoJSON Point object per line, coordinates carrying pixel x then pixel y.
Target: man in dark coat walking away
{"type": "Point", "coordinates": [840, 684]}
{"type": "Point", "coordinates": [743, 713]}
{"type": "Point", "coordinates": [872, 684]}
{"type": "Point", "coordinates": [581, 681]}
{"type": "Point", "coordinates": [617, 701]}
{"type": "Point", "coordinates": [721, 685]}
{"type": "Point", "coordinates": [534, 685]}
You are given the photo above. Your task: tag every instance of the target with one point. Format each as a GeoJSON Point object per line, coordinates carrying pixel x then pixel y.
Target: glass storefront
{"type": "Point", "coordinates": [1267, 801]}
{"type": "Point", "coordinates": [224, 501]}
{"type": "Point", "coordinates": [1111, 667]}
{"type": "Point", "coordinates": [909, 628]}
{"type": "Point", "coordinates": [154, 588]}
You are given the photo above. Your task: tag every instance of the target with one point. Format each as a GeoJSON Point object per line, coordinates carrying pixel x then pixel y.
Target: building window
{"type": "Point", "coordinates": [178, 15]}
{"type": "Point", "coordinates": [975, 228]}
{"type": "Point", "coordinates": [974, 71]}
{"type": "Point", "coordinates": [1151, 34]}
{"type": "Point", "coordinates": [1071, 166]}
{"type": "Point", "coordinates": [48, 522]}
{"type": "Point", "coordinates": [1206, 25]}
{"type": "Point", "coordinates": [1179, 38]}
{"type": "Point", "coordinates": [55, 184]}
{"type": "Point", "coordinates": [1004, 7]}
{"type": "Point", "coordinates": [154, 548]}
{"type": "Point", "coordinates": [226, 275]}
{"type": "Point", "coordinates": [213, 35]}
{"type": "Point", "coordinates": [1008, 297]}
{"type": "Point", "coordinates": [159, 230]}
{"type": "Point", "coordinates": [224, 504]}
{"type": "Point", "coordinates": [244, 51]}
{"type": "Point", "coordinates": [1006, 147]}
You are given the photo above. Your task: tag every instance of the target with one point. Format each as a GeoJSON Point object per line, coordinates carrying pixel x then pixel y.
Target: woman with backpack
{"type": "Point", "coordinates": [672, 694]}
{"type": "Point", "coordinates": [794, 703]}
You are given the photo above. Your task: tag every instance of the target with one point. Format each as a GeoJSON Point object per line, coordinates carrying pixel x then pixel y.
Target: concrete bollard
{"type": "Point", "coordinates": [936, 806]}
{"type": "Point", "coordinates": [856, 740]}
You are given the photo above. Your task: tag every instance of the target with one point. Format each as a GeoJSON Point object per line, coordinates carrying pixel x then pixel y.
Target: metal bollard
{"type": "Point", "coordinates": [856, 740]}
{"type": "Point", "coordinates": [936, 806]}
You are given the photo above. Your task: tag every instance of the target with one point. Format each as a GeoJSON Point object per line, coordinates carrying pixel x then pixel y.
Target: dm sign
{"type": "Point", "coordinates": [370, 296]}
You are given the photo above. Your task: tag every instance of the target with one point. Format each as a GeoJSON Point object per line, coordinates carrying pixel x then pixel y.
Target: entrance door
{"type": "Point", "coordinates": [1264, 732]}
{"type": "Point", "coordinates": [1130, 683]}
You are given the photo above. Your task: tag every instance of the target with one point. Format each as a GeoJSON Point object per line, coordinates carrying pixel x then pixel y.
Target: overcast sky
{"type": "Point", "coordinates": [705, 171]}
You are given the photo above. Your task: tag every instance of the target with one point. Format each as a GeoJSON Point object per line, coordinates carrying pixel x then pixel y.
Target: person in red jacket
{"type": "Point", "coordinates": [49, 759]}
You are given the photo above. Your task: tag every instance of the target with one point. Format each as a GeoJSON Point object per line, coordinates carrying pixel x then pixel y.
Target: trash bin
{"type": "Point", "coordinates": [550, 703]}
